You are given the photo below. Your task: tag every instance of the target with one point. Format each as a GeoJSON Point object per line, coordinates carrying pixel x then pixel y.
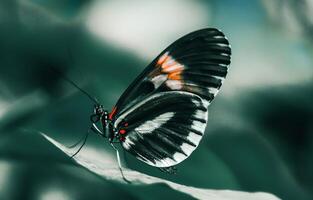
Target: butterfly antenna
{"type": "Point", "coordinates": [75, 85]}
{"type": "Point", "coordinates": [85, 139]}
{"type": "Point", "coordinates": [119, 163]}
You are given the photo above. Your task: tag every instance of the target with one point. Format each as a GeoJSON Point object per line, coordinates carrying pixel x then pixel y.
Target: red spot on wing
{"type": "Point", "coordinates": [111, 115]}
{"type": "Point", "coordinates": [122, 131]}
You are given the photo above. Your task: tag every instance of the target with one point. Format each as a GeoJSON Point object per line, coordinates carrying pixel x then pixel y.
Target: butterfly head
{"type": "Point", "coordinates": [98, 113]}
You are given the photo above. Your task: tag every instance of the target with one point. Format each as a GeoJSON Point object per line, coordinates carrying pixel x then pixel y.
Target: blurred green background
{"type": "Point", "coordinates": [260, 131]}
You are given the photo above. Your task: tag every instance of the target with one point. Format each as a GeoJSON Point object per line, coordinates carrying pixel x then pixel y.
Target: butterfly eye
{"type": "Point", "coordinates": [94, 118]}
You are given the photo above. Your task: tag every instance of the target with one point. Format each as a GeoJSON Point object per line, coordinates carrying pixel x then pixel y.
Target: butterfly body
{"type": "Point", "coordinates": [162, 116]}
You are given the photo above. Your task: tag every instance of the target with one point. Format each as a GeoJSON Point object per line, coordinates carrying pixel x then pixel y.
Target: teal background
{"type": "Point", "coordinates": [259, 134]}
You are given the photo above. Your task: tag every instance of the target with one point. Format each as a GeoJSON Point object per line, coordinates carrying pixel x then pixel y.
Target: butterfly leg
{"type": "Point", "coordinates": [169, 170]}
{"type": "Point", "coordinates": [84, 142]}
{"type": "Point", "coordinates": [125, 157]}
{"type": "Point", "coordinates": [95, 129]}
{"type": "Point", "coordinates": [76, 143]}
{"type": "Point", "coordinates": [119, 162]}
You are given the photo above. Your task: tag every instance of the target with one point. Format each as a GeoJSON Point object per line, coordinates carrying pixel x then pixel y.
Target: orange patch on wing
{"type": "Point", "coordinates": [173, 68]}
{"type": "Point", "coordinates": [162, 58]}
{"type": "Point", "coordinates": [167, 66]}
{"type": "Point", "coordinates": [170, 67]}
{"type": "Point", "coordinates": [175, 76]}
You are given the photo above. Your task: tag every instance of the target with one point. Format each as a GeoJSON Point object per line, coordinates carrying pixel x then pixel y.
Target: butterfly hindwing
{"type": "Point", "coordinates": [196, 63]}
{"type": "Point", "coordinates": [165, 128]}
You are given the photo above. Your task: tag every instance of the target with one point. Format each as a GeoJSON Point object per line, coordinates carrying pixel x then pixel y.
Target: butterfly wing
{"type": "Point", "coordinates": [196, 63]}
{"type": "Point", "coordinates": [162, 115]}
{"type": "Point", "coordinates": [164, 129]}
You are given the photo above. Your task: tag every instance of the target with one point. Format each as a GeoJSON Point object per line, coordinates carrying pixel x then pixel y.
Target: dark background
{"type": "Point", "coordinates": [259, 135]}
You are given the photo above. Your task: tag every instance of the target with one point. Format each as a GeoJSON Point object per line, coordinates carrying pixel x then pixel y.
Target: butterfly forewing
{"type": "Point", "coordinates": [196, 63]}
{"type": "Point", "coordinates": [165, 128]}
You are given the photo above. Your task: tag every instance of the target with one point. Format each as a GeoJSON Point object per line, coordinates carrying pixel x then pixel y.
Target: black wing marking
{"type": "Point", "coordinates": [196, 63]}
{"type": "Point", "coordinates": [164, 129]}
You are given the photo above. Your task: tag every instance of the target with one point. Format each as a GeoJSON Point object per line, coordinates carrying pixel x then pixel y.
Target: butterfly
{"type": "Point", "coordinates": [161, 117]}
